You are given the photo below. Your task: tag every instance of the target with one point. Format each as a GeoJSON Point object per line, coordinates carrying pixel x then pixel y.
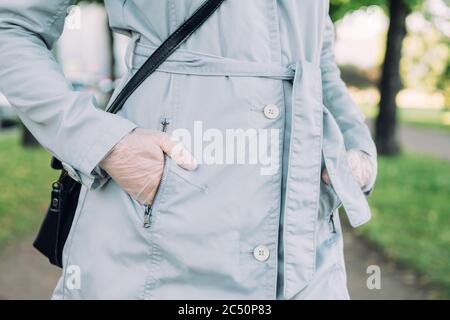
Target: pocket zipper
{"type": "Point", "coordinates": [147, 216]}
{"type": "Point", "coordinates": [165, 122]}
{"type": "Point", "coordinates": [331, 222]}
{"type": "Point", "coordinates": [148, 209]}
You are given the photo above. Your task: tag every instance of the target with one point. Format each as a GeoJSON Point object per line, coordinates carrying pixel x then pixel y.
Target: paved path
{"type": "Point", "coordinates": [25, 274]}
{"type": "Point", "coordinates": [426, 140]}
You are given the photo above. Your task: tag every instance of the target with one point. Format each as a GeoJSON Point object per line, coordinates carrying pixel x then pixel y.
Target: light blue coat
{"type": "Point", "coordinates": [205, 224]}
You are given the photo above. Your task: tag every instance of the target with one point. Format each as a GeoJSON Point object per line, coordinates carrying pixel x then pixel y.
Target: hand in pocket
{"type": "Point", "coordinates": [362, 167]}
{"type": "Point", "coordinates": [136, 163]}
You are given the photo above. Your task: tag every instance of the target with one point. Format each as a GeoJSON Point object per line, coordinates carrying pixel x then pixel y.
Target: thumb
{"type": "Point", "coordinates": [326, 177]}
{"type": "Point", "coordinates": [177, 152]}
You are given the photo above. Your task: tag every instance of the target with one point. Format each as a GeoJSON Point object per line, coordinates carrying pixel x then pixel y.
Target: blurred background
{"type": "Point", "coordinates": [395, 58]}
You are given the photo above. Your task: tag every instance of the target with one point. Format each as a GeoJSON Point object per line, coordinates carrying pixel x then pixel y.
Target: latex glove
{"type": "Point", "coordinates": [136, 163]}
{"type": "Point", "coordinates": [361, 165]}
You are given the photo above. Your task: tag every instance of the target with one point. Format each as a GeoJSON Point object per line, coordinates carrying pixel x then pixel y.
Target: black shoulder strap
{"type": "Point", "coordinates": [164, 51]}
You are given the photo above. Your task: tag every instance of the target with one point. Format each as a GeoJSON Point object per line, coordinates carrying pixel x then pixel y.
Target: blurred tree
{"type": "Point", "coordinates": [433, 57]}
{"type": "Point", "coordinates": [425, 59]}
{"type": "Point", "coordinates": [390, 82]}
{"type": "Point", "coordinates": [444, 84]}
{"type": "Point", "coordinates": [359, 78]}
{"type": "Point", "coordinates": [339, 8]}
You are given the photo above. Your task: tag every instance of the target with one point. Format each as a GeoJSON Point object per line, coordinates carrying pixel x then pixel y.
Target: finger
{"type": "Point", "coordinates": [179, 154]}
{"type": "Point", "coordinates": [326, 177]}
{"type": "Point", "coordinates": [361, 167]}
{"type": "Point", "coordinates": [183, 157]}
{"type": "Point", "coordinates": [148, 190]}
{"type": "Point", "coordinates": [148, 199]}
{"type": "Point", "coordinates": [146, 196]}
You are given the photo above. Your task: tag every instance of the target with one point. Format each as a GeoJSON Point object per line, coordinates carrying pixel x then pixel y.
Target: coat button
{"type": "Point", "coordinates": [261, 253]}
{"type": "Point", "coordinates": [271, 111]}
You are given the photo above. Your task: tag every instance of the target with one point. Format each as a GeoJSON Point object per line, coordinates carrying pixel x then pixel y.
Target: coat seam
{"type": "Point", "coordinates": [58, 13]}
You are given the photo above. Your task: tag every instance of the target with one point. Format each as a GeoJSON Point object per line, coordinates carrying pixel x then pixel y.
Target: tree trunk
{"type": "Point", "coordinates": [390, 84]}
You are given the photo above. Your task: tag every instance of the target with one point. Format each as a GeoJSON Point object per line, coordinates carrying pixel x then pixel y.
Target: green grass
{"type": "Point", "coordinates": [411, 215]}
{"type": "Point", "coordinates": [25, 179]}
{"type": "Point", "coordinates": [420, 122]}
{"type": "Point", "coordinates": [436, 119]}
{"type": "Point", "coordinates": [425, 118]}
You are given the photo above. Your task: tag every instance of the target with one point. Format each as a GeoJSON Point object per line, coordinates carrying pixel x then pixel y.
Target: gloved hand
{"type": "Point", "coordinates": [136, 163]}
{"type": "Point", "coordinates": [362, 167]}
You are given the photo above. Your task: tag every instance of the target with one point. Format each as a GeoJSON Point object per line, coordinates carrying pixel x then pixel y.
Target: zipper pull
{"type": "Point", "coordinates": [331, 221]}
{"type": "Point", "coordinates": [147, 214]}
{"type": "Point", "coordinates": [164, 124]}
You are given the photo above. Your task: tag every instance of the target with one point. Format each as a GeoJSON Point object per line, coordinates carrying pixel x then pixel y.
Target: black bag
{"type": "Point", "coordinates": [65, 192]}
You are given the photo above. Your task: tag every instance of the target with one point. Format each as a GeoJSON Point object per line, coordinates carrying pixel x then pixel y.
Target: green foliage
{"type": "Point", "coordinates": [422, 118]}
{"type": "Point", "coordinates": [425, 59]}
{"type": "Point", "coordinates": [338, 8]}
{"type": "Point", "coordinates": [444, 82]}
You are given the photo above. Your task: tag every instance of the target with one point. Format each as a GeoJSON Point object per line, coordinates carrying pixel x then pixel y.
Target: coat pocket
{"type": "Point", "coordinates": [329, 200]}
{"type": "Point", "coordinates": [148, 209]}
{"type": "Point", "coordinates": [188, 177]}
{"type": "Point", "coordinates": [172, 178]}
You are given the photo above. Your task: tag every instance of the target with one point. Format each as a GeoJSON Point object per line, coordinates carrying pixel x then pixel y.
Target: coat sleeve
{"type": "Point", "coordinates": [337, 99]}
{"type": "Point", "coordinates": [65, 122]}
